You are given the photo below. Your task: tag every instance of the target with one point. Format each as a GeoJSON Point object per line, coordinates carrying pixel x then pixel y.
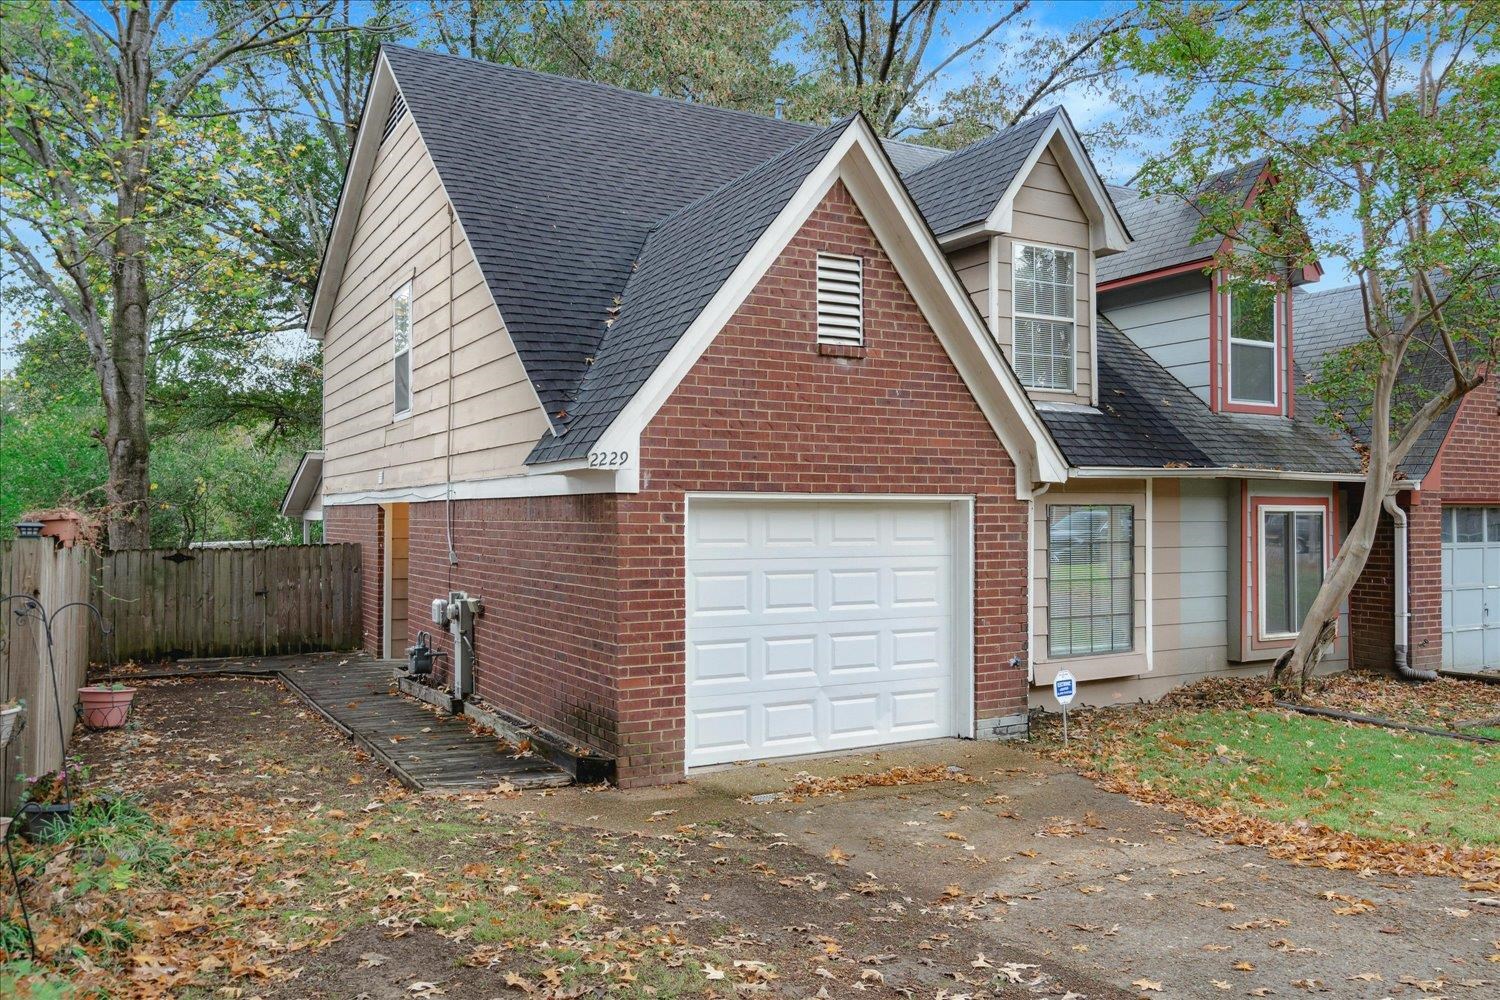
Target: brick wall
{"type": "Point", "coordinates": [1467, 472]}
{"type": "Point", "coordinates": [764, 411]}
{"type": "Point", "coordinates": [545, 567]}
{"type": "Point", "coordinates": [361, 525]}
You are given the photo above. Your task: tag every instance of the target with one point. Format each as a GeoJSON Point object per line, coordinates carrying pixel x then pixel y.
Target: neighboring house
{"type": "Point", "coordinates": [760, 439]}
{"type": "Point", "coordinates": [1452, 515]}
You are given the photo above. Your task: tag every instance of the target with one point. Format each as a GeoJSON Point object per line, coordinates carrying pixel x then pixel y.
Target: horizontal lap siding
{"type": "Point", "coordinates": [1169, 320]}
{"type": "Point", "coordinates": [763, 411]}
{"type": "Point", "coordinates": [1047, 212]}
{"type": "Point", "coordinates": [403, 233]}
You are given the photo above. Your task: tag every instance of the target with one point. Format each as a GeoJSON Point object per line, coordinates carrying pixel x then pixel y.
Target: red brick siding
{"type": "Point", "coordinates": [1467, 472]}
{"type": "Point", "coordinates": [545, 567]}
{"type": "Point", "coordinates": [362, 526]}
{"type": "Point", "coordinates": [763, 411]}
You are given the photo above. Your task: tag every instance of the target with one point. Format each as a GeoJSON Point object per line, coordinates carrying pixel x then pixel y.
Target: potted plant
{"type": "Point", "coordinates": [106, 706]}
{"type": "Point", "coordinates": [45, 809]}
{"type": "Point", "coordinates": [12, 720]}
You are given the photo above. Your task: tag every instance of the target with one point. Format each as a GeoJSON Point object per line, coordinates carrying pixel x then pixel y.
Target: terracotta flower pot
{"type": "Point", "coordinates": [105, 708]}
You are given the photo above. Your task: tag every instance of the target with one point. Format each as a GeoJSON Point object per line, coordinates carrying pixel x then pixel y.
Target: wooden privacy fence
{"type": "Point", "coordinates": [164, 603]}
{"type": "Point", "coordinates": [53, 578]}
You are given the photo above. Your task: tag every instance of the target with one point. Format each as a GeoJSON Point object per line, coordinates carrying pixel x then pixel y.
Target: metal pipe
{"type": "Point", "coordinates": [1402, 598]}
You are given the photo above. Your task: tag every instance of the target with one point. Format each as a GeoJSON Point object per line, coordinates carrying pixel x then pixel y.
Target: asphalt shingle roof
{"type": "Point", "coordinates": [1148, 419]}
{"type": "Point", "coordinates": [1329, 321]}
{"type": "Point", "coordinates": [557, 183]}
{"type": "Point", "coordinates": [963, 188]}
{"type": "Point", "coordinates": [683, 264]}
{"type": "Point", "coordinates": [1164, 228]}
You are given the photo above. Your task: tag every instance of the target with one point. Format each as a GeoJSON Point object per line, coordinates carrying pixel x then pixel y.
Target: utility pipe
{"type": "Point", "coordinates": [1402, 609]}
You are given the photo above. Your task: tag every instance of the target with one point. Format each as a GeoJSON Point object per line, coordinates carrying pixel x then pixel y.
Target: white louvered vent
{"type": "Point", "coordinates": [840, 300]}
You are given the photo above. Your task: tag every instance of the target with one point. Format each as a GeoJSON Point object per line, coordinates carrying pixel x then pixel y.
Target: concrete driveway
{"type": "Point", "coordinates": [1038, 858]}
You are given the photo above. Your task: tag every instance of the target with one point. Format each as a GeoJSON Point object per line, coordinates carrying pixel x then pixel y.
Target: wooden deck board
{"type": "Point", "coordinates": [429, 750]}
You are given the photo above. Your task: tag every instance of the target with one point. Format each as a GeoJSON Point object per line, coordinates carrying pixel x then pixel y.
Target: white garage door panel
{"type": "Point", "coordinates": [1471, 588]}
{"type": "Point", "coordinates": [817, 626]}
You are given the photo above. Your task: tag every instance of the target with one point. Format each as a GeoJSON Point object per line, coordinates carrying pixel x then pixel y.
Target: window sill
{"type": "Point", "coordinates": [1095, 667]}
{"type": "Point", "coordinates": [843, 350]}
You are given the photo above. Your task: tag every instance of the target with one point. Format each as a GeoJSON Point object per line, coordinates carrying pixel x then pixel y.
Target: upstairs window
{"type": "Point", "coordinates": [401, 342]}
{"type": "Point", "coordinates": [840, 300]}
{"type": "Point", "coordinates": [1044, 300]}
{"type": "Point", "coordinates": [1253, 346]}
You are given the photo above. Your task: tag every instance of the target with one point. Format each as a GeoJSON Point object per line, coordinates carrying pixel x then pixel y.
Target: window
{"type": "Point", "coordinates": [401, 342]}
{"type": "Point", "coordinates": [1471, 525]}
{"type": "Point", "coordinates": [1252, 345]}
{"type": "Point", "coordinates": [1090, 579]}
{"type": "Point", "coordinates": [1291, 567]}
{"type": "Point", "coordinates": [840, 300]}
{"type": "Point", "coordinates": [1044, 299]}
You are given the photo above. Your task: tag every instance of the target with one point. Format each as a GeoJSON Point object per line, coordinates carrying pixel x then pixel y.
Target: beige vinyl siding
{"type": "Point", "coordinates": [1047, 212]}
{"type": "Point", "coordinates": [972, 265]}
{"type": "Point", "coordinates": [403, 234]}
{"type": "Point", "coordinates": [1194, 604]}
{"type": "Point", "coordinates": [1169, 320]}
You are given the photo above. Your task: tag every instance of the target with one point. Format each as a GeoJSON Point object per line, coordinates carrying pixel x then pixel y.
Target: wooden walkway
{"type": "Point", "coordinates": [422, 748]}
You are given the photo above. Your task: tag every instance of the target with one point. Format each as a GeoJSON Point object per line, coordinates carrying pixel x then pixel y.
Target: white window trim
{"type": "Point", "coordinates": [1275, 345]}
{"type": "Point", "coordinates": [857, 339]}
{"type": "Point", "coordinates": [407, 287]}
{"type": "Point", "coordinates": [1016, 246]}
{"type": "Point", "coordinates": [1260, 564]}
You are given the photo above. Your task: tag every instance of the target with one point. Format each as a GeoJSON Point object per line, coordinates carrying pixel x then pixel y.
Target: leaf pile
{"type": "Point", "coordinates": [807, 786]}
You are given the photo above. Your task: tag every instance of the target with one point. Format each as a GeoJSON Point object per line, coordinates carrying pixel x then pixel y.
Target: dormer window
{"type": "Point", "coordinates": [1253, 353]}
{"type": "Point", "coordinates": [1044, 302]}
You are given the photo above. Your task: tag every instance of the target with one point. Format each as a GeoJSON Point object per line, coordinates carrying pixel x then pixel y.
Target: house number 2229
{"type": "Point", "coordinates": [608, 459]}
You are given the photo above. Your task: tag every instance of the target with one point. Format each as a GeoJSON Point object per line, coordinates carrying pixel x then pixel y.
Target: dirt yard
{"type": "Point", "coordinates": [291, 867]}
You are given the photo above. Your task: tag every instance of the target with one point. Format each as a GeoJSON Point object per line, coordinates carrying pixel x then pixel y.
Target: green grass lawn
{"type": "Point", "coordinates": [1360, 779]}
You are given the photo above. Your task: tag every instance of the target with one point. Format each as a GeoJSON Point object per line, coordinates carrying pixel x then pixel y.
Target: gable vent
{"type": "Point", "coordinates": [840, 300]}
{"type": "Point", "coordinates": [398, 111]}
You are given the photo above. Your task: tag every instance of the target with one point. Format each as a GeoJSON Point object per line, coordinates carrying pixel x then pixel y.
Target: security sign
{"type": "Point", "coordinates": [1063, 687]}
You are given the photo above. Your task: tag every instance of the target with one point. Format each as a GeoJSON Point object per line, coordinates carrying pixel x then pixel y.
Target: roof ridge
{"type": "Point", "coordinates": [598, 85]}
{"type": "Point", "coordinates": [766, 164]}
{"type": "Point", "coordinates": [985, 143]}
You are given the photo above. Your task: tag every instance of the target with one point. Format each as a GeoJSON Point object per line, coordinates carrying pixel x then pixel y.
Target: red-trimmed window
{"type": "Point", "coordinates": [1292, 543]}
{"type": "Point", "coordinates": [1252, 347]}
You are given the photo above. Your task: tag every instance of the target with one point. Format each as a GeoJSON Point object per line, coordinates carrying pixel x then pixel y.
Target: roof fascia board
{"type": "Point", "coordinates": [551, 484]}
{"type": "Point", "coordinates": [357, 173]}
{"type": "Point", "coordinates": [293, 488]}
{"type": "Point", "coordinates": [1202, 266]}
{"type": "Point", "coordinates": [1022, 431]}
{"type": "Point", "coordinates": [1151, 472]}
{"type": "Point", "coordinates": [384, 87]}
{"type": "Point", "coordinates": [1107, 229]}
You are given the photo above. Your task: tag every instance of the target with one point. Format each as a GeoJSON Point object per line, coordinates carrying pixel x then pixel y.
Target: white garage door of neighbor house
{"type": "Point", "coordinates": [818, 626]}
{"type": "Point", "coordinates": [1471, 588]}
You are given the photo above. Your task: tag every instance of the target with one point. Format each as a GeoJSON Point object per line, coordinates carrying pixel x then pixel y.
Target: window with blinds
{"type": "Point", "coordinates": [840, 300]}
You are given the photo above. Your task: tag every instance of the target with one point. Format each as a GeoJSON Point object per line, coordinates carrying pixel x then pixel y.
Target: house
{"type": "Point", "coordinates": [1450, 515]}
{"type": "Point", "coordinates": [760, 439]}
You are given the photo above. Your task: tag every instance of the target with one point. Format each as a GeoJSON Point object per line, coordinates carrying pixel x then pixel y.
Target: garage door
{"type": "Point", "coordinates": [817, 626]}
{"type": "Point", "coordinates": [1471, 588]}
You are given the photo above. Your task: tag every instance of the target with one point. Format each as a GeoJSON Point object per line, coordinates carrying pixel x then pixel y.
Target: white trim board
{"type": "Point", "coordinates": [857, 160]}
{"type": "Point", "coordinates": [554, 484]}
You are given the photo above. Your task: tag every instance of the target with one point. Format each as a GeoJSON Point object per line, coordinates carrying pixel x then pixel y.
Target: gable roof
{"type": "Point", "coordinates": [1331, 320]}
{"type": "Point", "coordinates": [1165, 227]}
{"type": "Point", "coordinates": [686, 258]}
{"type": "Point", "coordinates": [976, 186]}
{"type": "Point", "coordinates": [1147, 419]}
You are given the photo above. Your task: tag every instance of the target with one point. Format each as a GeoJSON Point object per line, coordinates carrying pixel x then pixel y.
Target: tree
{"type": "Point", "coordinates": [1376, 111]}
{"type": "Point", "coordinates": [894, 60]}
{"type": "Point", "coordinates": [113, 178]}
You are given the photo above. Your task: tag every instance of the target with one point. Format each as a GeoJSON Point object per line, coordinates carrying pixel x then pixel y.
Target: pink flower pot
{"type": "Point", "coordinates": [105, 708]}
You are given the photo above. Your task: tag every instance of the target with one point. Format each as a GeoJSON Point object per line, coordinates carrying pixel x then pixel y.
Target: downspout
{"type": "Point", "coordinates": [1401, 656]}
